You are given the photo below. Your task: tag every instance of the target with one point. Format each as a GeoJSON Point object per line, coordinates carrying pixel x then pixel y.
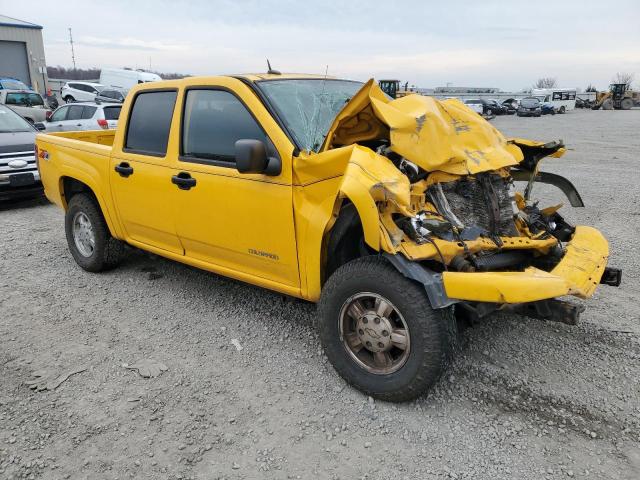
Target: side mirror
{"type": "Point", "coordinates": [251, 157]}
{"type": "Point", "coordinates": [40, 126]}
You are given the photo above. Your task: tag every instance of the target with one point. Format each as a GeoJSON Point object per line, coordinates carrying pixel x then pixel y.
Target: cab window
{"type": "Point", "coordinates": [150, 122]}
{"type": "Point", "coordinates": [213, 121]}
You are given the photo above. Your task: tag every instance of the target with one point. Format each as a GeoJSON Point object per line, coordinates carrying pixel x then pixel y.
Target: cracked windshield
{"type": "Point", "coordinates": [308, 107]}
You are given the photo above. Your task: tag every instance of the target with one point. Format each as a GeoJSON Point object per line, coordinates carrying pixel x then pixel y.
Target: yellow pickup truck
{"type": "Point", "coordinates": [399, 216]}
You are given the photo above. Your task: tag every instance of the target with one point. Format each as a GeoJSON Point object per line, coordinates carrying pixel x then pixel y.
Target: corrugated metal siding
{"type": "Point", "coordinates": [35, 50]}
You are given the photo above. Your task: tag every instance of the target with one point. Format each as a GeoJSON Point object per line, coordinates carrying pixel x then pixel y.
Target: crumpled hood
{"type": "Point", "coordinates": [437, 135]}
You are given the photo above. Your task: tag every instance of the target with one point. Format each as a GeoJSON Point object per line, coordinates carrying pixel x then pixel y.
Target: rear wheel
{"type": "Point", "coordinates": [380, 332]}
{"type": "Point", "coordinates": [562, 109]}
{"type": "Point", "coordinates": [626, 104]}
{"type": "Point", "coordinates": [88, 237]}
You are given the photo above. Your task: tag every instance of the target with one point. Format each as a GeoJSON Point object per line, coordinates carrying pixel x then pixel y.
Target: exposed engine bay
{"type": "Point", "coordinates": [485, 205]}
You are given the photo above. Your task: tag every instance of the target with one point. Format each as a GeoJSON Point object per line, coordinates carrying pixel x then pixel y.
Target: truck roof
{"type": "Point", "coordinates": [280, 76]}
{"type": "Point", "coordinates": [251, 77]}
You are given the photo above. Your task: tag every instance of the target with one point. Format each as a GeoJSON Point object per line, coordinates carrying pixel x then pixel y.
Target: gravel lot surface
{"type": "Point", "coordinates": [525, 399]}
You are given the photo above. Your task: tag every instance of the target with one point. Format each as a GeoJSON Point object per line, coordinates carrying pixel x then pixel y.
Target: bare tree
{"type": "Point", "coordinates": [94, 73]}
{"type": "Point", "coordinates": [591, 88]}
{"type": "Point", "coordinates": [623, 77]}
{"type": "Point", "coordinates": [546, 82]}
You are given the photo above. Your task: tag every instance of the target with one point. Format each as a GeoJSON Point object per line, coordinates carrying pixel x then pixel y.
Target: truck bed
{"type": "Point", "coordinates": [100, 137]}
{"type": "Point", "coordinates": [82, 155]}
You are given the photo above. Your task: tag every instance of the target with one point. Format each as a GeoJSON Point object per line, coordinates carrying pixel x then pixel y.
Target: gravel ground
{"type": "Point", "coordinates": [525, 399]}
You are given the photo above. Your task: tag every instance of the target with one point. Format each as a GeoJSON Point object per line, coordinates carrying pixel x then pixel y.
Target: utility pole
{"type": "Point", "coordinates": [73, 55]}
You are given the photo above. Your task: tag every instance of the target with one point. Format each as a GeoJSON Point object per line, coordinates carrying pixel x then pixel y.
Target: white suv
{"type": "Point", "coordinates": [84, 116]}
{"type": "Point", "coordinates": [80, 91]}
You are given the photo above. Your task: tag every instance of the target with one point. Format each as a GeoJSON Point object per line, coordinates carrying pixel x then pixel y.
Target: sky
{"type": "Point", "coordinates": [479, 43]}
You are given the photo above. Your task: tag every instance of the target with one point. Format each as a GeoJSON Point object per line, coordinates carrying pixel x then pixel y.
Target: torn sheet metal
{"type": "Point", "coordinates": [436, 135]}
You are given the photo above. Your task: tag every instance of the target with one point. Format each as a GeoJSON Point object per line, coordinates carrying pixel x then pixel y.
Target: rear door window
{"type": "Point", "coordinates": [88, 112]}
{"type": "Point", "coordinates": [213, 121]}
{"type": "Point", "coordinates": [75, 112]}
{"type": "Point", "coordinates": [112, 113]}
{"type": "Point", "coordinates": [150, 122]}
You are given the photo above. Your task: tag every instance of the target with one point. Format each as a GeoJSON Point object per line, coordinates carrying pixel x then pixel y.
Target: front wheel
{"type": "Point", "coordinates": [88, 237]}
{"type": "Point", "coordinates": [69, 99]}
{"type": "Point", "coordinates": [562, 109]}
{"type": "Point", "coordinates": [380, 333]}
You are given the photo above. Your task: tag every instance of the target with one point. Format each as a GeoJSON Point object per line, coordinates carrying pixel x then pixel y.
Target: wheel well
{"type": "Point", "coordinates": [345, 241]}
{"type": "Point", "coordinates": [71, 187]}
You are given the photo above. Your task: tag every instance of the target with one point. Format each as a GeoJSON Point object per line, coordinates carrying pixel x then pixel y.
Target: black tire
{"type": "Point", "coordinates": [433, 333]}
{"type": "Point", "coordinates": [108, 251]}
{"type": "Point", "coordinates": [69, 99]}
{"type": "Point", "coordinates": [562, 109]}
{"type": "Point", "coordinates": [626, 104]}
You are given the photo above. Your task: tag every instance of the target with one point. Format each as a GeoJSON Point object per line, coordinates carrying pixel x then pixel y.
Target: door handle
{"type": "Point", "coordinates": [124, 169]}
{"type": "Point", "coordinates": [78, 124]}
{"type": "Point", "coordinates": [183, 180]}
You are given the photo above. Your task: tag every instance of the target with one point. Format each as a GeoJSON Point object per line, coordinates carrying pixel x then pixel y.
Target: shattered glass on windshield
{"type": "Point", "coordinates": [309, 106]}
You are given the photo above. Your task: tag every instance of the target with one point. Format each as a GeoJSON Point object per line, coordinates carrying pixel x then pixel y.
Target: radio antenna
{"type": "Point", "coordinates": [270, 70]}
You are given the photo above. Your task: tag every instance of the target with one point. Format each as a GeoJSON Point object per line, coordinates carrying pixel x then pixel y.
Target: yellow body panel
{"type": "Point", "coordinates": [578, 273]}
{"type": "Point", "coordinates": [272, 230]}
{"type": "Point", "coordinates": [437, 135]}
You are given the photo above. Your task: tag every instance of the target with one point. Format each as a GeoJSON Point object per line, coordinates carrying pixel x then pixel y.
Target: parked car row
{"type": "Point", "coordinates": [24, 112]}
{"type": "Point", "coordinates": [491, 107]}
{"type": "Point", "coordinates": [526, 107]}
{"type": "Point", "coordinates": [89, 92]}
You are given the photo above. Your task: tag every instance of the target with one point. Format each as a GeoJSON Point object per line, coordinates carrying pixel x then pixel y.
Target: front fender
{"type": "Point", "coordinates": [367, 179]}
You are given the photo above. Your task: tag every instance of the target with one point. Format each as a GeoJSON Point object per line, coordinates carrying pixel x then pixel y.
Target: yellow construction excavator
{"type": "Point", "coordinates": [620, 96]}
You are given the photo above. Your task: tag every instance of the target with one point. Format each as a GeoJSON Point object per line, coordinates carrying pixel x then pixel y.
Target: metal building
{"type": "Point", "coordinates": [22, 52]}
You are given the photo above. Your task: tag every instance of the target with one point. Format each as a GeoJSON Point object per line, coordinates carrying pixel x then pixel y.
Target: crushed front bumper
{"type": "Point", "coordinates": [578, 273]}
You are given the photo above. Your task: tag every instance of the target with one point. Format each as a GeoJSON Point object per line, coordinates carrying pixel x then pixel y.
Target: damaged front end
{"type": "Point", "coordinates": [434, 187]}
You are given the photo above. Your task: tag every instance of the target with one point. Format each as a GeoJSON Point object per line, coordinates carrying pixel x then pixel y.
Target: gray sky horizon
{"type": "Point", "coordinates": [463, 43]}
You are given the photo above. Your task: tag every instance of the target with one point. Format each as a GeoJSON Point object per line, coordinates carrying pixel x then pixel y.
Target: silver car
{"type": "Point", "coordinates": [84, 116]}
{"type": "Point", "coordinates": [30, 105]}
